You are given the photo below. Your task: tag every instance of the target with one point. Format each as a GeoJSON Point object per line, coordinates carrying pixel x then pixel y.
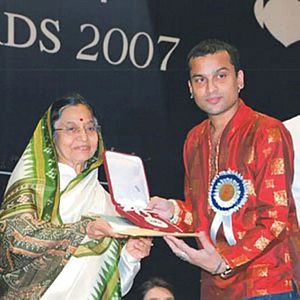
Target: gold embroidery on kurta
{"type": "Point", "coordinates": [188, 219]}
{"type": "Point", "coordinates": [269, 183]}
{"type": "Point", "coordinates": [287, 257]}
{"type": "Point", "coordinates": [288, 283]}
{"type": "Point", "coordinates": [261, 271]}
{"type": "Point", "coordinates": [274, 135]}
{"type": "Point", "coordinates": [262, 292]}
{"type": "Point", "coordinates": [267, 152]}
{"type": "Point", "coordinates": [261, 243]}
{"type": "Point", "coordinates": [247, 249]}
{"type": "Point", "coordinates": [281, 198]}
{"type": "Point", "coordinates": [240, 260]}
{"type": "Point", "coordinates": [273, 214]}
{"type": "Point", "coordinates": [241, 234]}
{"type": "Point", "coordinates": [250, 155]}
{"type": "Point", "coordinates": [277, 166]}
{"type": "Point", "coordinates": [250, 187]}
{"type": "Point", "coordinates": [277, 227]}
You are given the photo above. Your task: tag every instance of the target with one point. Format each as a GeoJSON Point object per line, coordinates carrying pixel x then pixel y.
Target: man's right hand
{"type": "Point", "coordinates": [162, 207]}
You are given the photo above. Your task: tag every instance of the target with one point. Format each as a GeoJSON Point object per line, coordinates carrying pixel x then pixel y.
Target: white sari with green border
{"type": "Point", "coordinates": [43, 235]}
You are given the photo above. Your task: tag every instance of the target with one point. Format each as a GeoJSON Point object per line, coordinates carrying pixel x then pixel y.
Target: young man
{"type": "Point", "coordinates": [239, 169]}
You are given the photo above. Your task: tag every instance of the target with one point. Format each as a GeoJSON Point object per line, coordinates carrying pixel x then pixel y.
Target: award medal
{"type": "Point", "coordinates": [147, 216]}
{"type": "Point", "coordinates": [227, 194]}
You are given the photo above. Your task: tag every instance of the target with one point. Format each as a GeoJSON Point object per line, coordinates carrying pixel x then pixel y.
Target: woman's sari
{"type": "Point", "coordinates": [36, 242]}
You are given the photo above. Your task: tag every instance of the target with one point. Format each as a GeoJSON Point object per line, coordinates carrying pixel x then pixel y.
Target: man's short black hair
{"type": "Point", "coordinates": [212, 46]}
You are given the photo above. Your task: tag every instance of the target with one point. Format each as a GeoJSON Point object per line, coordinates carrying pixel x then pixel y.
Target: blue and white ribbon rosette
{"type": "Point", "coordinates": [228, 193]}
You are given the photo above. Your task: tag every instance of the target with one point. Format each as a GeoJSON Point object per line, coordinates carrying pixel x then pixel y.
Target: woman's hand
{"type": "Point", "coordinates": [139, 247]}
{"type": "Point", "coordinates": [100, 228]}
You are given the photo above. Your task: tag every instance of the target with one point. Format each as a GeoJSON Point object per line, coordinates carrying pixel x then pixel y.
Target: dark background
{"type": "Point", "coordinates": [146, 111]}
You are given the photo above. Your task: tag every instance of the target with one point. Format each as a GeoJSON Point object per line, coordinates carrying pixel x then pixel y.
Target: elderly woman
{"type": "Point", "coordinates": [51, 247]}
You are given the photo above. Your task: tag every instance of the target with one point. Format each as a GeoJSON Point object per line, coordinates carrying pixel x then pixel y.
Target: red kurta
{"type": "Point", "coordinates": [260, 149]}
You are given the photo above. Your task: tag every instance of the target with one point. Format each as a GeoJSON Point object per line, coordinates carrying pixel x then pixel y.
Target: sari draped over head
{"type": "Point", "coordinates": [35, 244]}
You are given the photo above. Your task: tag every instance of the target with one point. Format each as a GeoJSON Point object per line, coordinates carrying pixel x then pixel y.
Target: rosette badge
{"type": "Point", "coordinates": [227, 194]}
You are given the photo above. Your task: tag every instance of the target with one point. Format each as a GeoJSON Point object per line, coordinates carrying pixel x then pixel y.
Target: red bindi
{"type": "Point", "coordinates": [81, 119]}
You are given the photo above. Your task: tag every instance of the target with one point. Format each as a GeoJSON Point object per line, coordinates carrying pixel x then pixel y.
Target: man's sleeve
{"type": "Point", "coordinates": [272, 178]}
{"type": "Point", "coordinates": [183, 216]}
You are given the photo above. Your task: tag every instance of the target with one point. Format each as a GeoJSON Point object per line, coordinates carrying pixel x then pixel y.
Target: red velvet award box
{"type": "Point", "coordinates": [129, 191]}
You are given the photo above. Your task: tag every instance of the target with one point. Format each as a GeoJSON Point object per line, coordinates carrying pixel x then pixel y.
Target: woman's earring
{"type": "Point", "coordinates": [191, 96]}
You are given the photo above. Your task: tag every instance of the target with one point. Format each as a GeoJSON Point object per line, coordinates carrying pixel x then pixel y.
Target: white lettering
{"type": "Point", "coordinates": [106, 46]}
{"type": "Point", "coordinates": [11, 39]}
{"type": "Point", "coordinates": [91, 57]}
{"type": "Point", "coordinates": [132, 50]}
{"type": "Point", "coordinates": [168, 39]}
{"type": "Point", "coordinates": [53, 38]}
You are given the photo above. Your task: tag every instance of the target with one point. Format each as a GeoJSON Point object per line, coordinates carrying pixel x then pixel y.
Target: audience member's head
{"type": "Point", "coordinates": [157, 289]}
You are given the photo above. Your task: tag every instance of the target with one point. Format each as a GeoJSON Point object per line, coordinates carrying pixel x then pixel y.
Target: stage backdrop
{"type": "Point", "coordinates": [128, 59]}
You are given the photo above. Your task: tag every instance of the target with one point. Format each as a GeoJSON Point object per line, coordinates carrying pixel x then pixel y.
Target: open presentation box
{"type": "Point", "coordinates": [130, 194]}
